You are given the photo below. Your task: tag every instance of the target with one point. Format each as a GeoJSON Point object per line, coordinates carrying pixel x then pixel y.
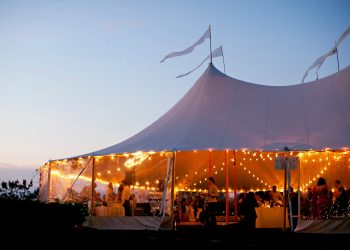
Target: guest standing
{"type": "Point", "coordinates": [248, 211]}
{"type": "Point", "coordinates": [110, 196]}
{"type": "Point", "coordinates": [126, 195]}
{"type": "Point", "coordinates": [213, 194]}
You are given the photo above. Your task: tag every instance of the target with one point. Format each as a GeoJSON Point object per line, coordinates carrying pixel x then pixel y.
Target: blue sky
{"type": "Point", "coordinates": [77, 76]}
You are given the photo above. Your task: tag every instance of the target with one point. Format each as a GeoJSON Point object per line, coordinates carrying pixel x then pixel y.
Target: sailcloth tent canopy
{"type": "Point", "coordinates": [220, 112]}
{"type": "Point", "coordinates": [218, 126]}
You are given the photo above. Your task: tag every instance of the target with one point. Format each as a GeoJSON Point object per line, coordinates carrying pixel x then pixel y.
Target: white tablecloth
{"type": "Point", "coordinates": [270, 217]}
{"type": "Point", "coordinates": [110, 211]}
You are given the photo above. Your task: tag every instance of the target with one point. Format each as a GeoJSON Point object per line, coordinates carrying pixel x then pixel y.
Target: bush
{"type": "Point", "coordinates": [21, 210]}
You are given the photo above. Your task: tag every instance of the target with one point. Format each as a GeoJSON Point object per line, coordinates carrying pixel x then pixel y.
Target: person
{"type": "Point", "coordinates": [126, 195]}
{"type": "Point", "coordinates": [305, 203]}
{"type": "Point", "coordinates": [258, 199]}
{"type": "Point", "coordinates": [86, 194]}
{"type": "Point", "coordinates": [198, 206]}
{"type": "Point", "coordinates": [133, 203]}
{"type": "Point", "coordinates": [72, 195]}
{"type": "Point", "coordinates": [119, 193]}
{"type": "Point", "coordinates": [241, 198]}
{"type": "Point", "coordinates": [340, 199]}
{"type": "Point", "coordinates": [191, 216]}
{"type": "Point", "coordinates": [248, 211]}
{"type": "Point", "coordinates": [277, 198]}
{"type": "Point", "coordinates": [320, 200]}
{"type": "Point", "coordinates": [183, 210]}
{"type": "Point", "coordinates": [213, 194]}
{"type": "Point", "coordinates": [110, 196]}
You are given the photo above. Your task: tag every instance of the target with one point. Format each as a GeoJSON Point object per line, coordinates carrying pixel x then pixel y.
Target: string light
{"type": "Point", "coordinates": [311, 157]}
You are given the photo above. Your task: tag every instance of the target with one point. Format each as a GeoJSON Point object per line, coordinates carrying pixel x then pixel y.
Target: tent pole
{"type": "Point", "coordinates": [284, 192]}
{"type": "Point", "coordinates": [48, 181]}
{"type": "Point", "coordinates": [235, 200]}
{"type": "Point", "coordinates": [210, 170]}
{"type": "Point", "coordinates": [92, 209]}
{"type": "Point", "coordinates": [299, 190]}
{"type": "Point", "coordinates": [291, 226]}
{"type": "Point", "coordinates": [226, 187]}
{"type": "Point", "coordinates": [173, 186]}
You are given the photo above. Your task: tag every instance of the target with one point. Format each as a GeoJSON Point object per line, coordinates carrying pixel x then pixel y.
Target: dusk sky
{"type": "Point", "coordinates": [78, 76]}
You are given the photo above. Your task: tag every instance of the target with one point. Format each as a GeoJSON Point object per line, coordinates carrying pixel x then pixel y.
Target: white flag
{"type": "Point", "coordinates": [345, 34]}
{"type": "Point", "coordinates": [189, 49]}
{"type": "Point", "coordinates": [319, 61]}
{"type": "Point", "coordinates": [216, 53]}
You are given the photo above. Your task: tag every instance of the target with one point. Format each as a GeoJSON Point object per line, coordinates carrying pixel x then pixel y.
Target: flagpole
{"type": "Point", "coordinates": [223, 59]}
{"type": "Point", "coordinates": [211, 57]}
{"type": "Point", "coordinates": [336, 50]}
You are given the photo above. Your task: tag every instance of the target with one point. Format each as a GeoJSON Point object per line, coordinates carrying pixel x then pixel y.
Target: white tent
{"type": "Point", "coordinates": [221, 112]}
{"type": "Point", "coordinates": [237, 122]}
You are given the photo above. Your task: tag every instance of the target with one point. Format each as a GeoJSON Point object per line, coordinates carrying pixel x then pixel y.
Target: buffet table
{"type": "Point", "coordinates": [270, 217]}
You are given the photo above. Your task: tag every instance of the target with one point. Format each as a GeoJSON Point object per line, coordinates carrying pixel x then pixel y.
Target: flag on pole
{"type": "Point", "coordinates": [319, 61]}
{"type": "Point", "coordinates": [345, 34]}
{"type": "Point", "coordinates": [189, 49]}
{"type": "Point", "coordinates": [216, 53]}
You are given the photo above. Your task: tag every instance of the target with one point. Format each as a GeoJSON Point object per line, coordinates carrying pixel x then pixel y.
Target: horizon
{"type": "Point", "coordinates": [80, 76]}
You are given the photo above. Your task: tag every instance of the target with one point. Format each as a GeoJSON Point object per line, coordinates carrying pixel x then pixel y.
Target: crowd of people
{"type": "Point", "coordinates": [320, 202]}
{"type": "Point", "coordinates": [202, 208]}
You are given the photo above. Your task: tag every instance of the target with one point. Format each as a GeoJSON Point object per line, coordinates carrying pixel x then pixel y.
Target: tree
{"type": "Point", "coordinates": [15, 190]}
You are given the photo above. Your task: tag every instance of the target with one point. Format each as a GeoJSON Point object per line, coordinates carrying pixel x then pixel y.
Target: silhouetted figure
{"type": "Point", "coordinates": [213, 193]}
{"type": "Point", "coordinates": [340, 205]}
{"type": "Point", "coordinates": [248, 211]}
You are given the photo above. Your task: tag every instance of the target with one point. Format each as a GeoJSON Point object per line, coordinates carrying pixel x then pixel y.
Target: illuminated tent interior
{"type": "Point", "coordinates": [226, 128]}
